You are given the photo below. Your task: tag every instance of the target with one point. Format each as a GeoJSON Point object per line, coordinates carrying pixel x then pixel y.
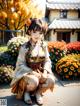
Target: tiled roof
{"type": "Point", "coordinates": [64, 5]}
{"type": "Point", "coordinates": [64, 1]}
{"type": "Point", "coordinates": [65, 24]}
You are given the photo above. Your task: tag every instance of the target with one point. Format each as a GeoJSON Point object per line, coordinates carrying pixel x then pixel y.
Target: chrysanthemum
{"type": "Point", "coordinates": [70, 72]}
{"type": "Point", "coordinates": [65, 69]}
{"type": "Point", "coordinates": [71, 68]}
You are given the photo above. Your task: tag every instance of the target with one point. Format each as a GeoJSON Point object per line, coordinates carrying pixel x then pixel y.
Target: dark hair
{"type": "Point", "coordinates": [37, 25]}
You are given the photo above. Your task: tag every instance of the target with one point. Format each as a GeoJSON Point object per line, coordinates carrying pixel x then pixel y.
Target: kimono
{"type": "Point", "coordinates": [32, 58]}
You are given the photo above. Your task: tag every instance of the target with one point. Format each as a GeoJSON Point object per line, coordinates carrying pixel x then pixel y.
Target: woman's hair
{"type": "Point", "coordinates": [37, 25]}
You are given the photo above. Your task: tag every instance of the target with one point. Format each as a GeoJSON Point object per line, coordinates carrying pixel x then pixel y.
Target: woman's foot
{"type": "Point", "coordinates": [27, 98]}
{"type": "Point", "coordinates": [39, 99]}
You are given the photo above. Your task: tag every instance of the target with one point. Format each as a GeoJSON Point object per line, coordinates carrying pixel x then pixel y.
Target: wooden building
{"type": "Point", "coordinates": [64, 20]}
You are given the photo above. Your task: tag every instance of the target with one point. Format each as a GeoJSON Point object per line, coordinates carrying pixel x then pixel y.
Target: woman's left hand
{"type": "Point", "coordinates": [44, 75]}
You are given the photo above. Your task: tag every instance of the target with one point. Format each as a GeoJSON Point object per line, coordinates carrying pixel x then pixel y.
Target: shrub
{"type": "Point", "coordinates": [57, 50]}
{"type": "Point", "coordinates": [73, 47]}
{"type": "Point", "coordinates": [69, 67]}
{"type": "Point", "coordinates": [57, 44]}
{"type": "Point", "coordinates": [6, 73]}
{"type": "Point", "coordinates": [7, 59]}
{"type": "Point", "coordinates": [14, 45]}
{"type": "Point", "coordinates": [3, 48]}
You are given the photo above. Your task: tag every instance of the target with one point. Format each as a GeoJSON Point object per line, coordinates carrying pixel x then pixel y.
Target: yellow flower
{"type": "Point", "coordinates": [72, 68]}
{"type": "Point", "coordinates": [65, 69]}
{"type": "Point", "coordinates": [70, 73]}
{"type": "Point", "coordinates": [75, 65]}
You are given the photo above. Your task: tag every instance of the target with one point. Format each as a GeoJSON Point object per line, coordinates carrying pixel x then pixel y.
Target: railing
{"type": "Point", "coordinates": [5, 35]}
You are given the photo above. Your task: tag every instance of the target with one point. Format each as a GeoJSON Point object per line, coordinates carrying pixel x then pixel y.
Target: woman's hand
{"type": "Point", "coordinates": [44, 74]}
{"type": "Point", "coordinates": [37, 74]}
{"type": "Point", "coordinates": [43, 77]}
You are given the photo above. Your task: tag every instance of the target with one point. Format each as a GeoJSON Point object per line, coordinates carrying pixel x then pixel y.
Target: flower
{"type": "Point", "coordinates": [15, 43]}
{"type": "Point", "coordinates": [75, 65]}
{"type": "Point", "coordinates": [67, 76]}
{"type": "Point", "coordinates": [73, 47]}
{"type": "Point", "coordinates": [57, 44]}
{"type": "Point", "coordinates": [70, 72]}
{"type": "Point", "coordinates": [72, 68]}
{"type": "Point", "coordinates": [69, 66]}
{"type": "Point", "coordinates": [65, 69]}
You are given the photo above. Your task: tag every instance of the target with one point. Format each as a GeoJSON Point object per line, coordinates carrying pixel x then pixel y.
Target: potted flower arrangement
{"type": "Point", "coordinates": [73, 47]}
{"type": "Point", "coordinates": [68, 67]}
{"type": "Point", "coordinates": [6, 73]}
{"type": "Point", "coordinates": [57, 50]}
{"type": "Point", "coordinates": [15, 43]}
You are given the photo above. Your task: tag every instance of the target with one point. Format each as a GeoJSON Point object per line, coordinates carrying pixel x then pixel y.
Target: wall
{"type": "Point", "coordinates": [73, 14]}
{"type": "Point", "coordinates": [73, 37]}
{"type": "Point", "coordinates": [53, 14]}
{"type": "Point", "coordinates": [53, 36]}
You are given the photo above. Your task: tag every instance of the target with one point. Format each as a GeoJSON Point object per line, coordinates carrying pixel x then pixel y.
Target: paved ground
{"type": "Point", "coordinates": [64, 94]}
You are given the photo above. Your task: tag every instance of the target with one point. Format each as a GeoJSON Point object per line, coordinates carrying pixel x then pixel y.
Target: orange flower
{"type": "Point", "coordinates": [57, 44]}
{"type": "Point", "coordinates": [67, 76]}
{"type": "Point", "coordinates": [65, 69]}
{"type": "Point", "coordinates": [67, 64]}
{"type": "Point", "coordinates": [73, 46]}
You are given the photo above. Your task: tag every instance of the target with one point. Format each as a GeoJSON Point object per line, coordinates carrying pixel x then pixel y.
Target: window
{"type": "Point", "coordinates": [78, 36]}
{"type": "Point", "coordinates": [65, 36]}
{"type": "Point", "coordinates": [46, 37]}
{"type": "Point", "coordinates": [79, 14]}
{"type": "Point", "coordinates": [47, 13]}
{"type": "Point", "coordinates": [63, 14]}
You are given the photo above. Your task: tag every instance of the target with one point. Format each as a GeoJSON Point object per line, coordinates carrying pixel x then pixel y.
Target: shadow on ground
{"type": "Point", "coordinates": [12, 101]}
{"type": "Point", "coordinates": [6, 86]}
{"type": "Point", "coordinates": [64, 83]}
{"type": "Point", "coordinates": [71, 83]}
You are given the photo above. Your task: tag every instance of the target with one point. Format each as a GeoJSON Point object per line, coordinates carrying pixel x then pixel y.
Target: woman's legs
{"type": "Point", "coordinates": [48, 84]}
{"type": "Point", "coordinates": [32, 84]}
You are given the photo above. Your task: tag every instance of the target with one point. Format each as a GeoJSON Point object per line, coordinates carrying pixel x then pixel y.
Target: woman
{"type": "Point", "coordinates": [33, 73]}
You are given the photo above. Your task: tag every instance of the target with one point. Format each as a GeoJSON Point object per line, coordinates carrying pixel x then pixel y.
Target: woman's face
{"type": "Point", "coordinates": [36, 35]}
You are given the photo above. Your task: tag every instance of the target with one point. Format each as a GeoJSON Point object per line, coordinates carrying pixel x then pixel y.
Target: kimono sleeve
{"type": "Point", "coordinates": [21, 62]}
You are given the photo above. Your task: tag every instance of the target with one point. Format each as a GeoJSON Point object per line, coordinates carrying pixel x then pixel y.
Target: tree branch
{"type": "Point", "coordinates": [19, 21]}
{"type": "Point", "coordinates": [1, 5]}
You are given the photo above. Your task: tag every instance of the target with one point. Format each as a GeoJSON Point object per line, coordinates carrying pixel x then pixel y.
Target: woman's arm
{"type": "Point", "coordinates": [21, 62]}
{"type": "Point", "coordinates": [21, 68]}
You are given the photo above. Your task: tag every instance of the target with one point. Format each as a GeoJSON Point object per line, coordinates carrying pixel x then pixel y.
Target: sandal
{"type": "Point", "coordinates": [39, 99]}
{"type": "Point", "coordinates": [27, 98]}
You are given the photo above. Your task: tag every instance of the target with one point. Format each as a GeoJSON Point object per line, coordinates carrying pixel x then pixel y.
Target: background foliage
{"type": "Point", "coordinates": [14, 14]}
